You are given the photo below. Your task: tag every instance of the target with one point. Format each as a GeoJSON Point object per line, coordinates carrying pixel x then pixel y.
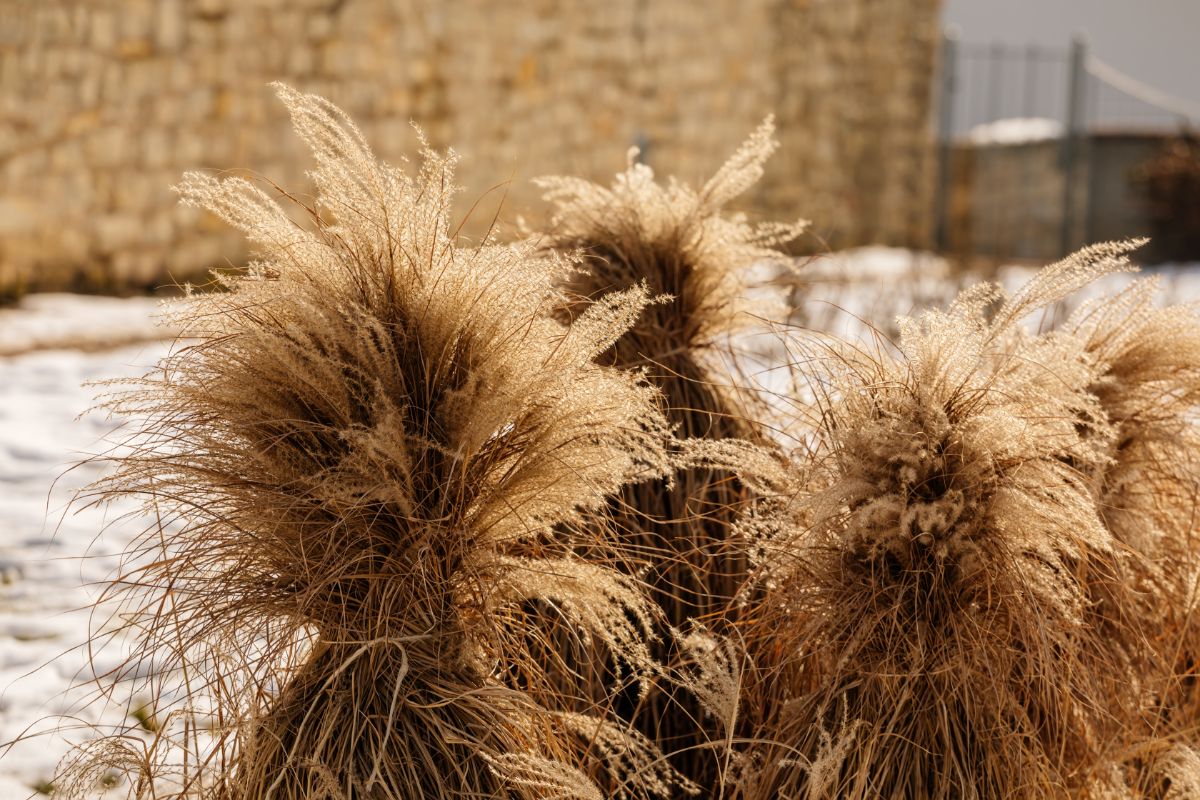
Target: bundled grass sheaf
{"type": "Point", "coordinates": [697, 260]}
{"type": "Point", "coordinates": [1147, 382]}
{"type": "Point", "coordinates": [950, 601]}
{"type": "Point", "coordinates": [370, 460]}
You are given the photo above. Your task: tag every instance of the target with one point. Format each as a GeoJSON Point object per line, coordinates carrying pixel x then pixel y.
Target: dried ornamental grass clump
{"type": "Point", "coordinates": [1148, 386]}
{"type": "Point", "coordinates": [697, 260]}
{"type": "Point", "coordinates": [368, 458]}
{"type": "Point", "coordinates": [1147, 382]}
{"type": "Point", "coordinates": [940, 574]}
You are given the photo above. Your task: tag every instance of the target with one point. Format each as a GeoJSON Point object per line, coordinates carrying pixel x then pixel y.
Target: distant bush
{"type": "Point", "coordinates": [1170, 183]}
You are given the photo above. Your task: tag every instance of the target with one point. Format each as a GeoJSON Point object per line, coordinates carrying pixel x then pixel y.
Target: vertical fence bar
{"type": "Point", "coordinates": [1072, 139]}
{"type": "Point", "coordinates": [1029, 101]}
{"type": "Point", "coordinates": [1026, 227]}
{"type": "Point", "coordinates": [945, 136]}
{"type": "Point", "coordinates": [996, 64]}
{"type": "Point", "coordinates": [1091, 145]}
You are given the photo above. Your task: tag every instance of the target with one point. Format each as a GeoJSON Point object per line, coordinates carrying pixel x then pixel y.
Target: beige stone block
{"type": "Point", "coordinates": [137, 192]}
{"type": "Point", "coordinates": [301, 59]}
{"type": "Point", "coordinates": [19, 216]}
{"type": "Point", "coordinates": [10, 75]}
{"type": "Point", "coordinates": [67, 156]}
{"type": "Point", "coordinates": [211, 9]}
{"type": "Point", "coordinates": [103, 29]}
{"type": "Point", "coordinates": [339, 58]}
{"type": "Point", "coordinates": [320, 27]}
{"type": "Point", "coordinates": [157, 147]}
{"type": "Point", "coordinates": [288, 25]}
{"type": "Point", "coordinates": [145, 78]}
{"type": "Point", "coordinates": [89, 88]}
{"type": "Point", "coordinates": [116, 231]}
{"type": "Point", "coordinates": [109, 146]}
{"type": "Point", "coordinates": [166, 111]}
{"type": "Point", "coordinates": [136, 19]}
{"type": "Point", "coordinates": [24, 166]}
{"type": "Point", "coordinates": [273, 55]}
{"type": "Point", "coordinates": [138, 268]}
{"type": "Point", "coordinates": [133, 49]}
{"type": "Point", "coordinates": [199, 104]}
{"type": "Point", "coordinates": [170, 30]}
{"type": "Point", "coordinates": [159, 231]}
{"type": "Point", "coordinates": [71, 241]}
{"type": "Point", "coordinates": [191, 146]}
{"type": "Point", "coordinates": [195, 255]}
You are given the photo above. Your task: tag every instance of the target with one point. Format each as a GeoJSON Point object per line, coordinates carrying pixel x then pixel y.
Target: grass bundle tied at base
{"type": "Point", "coordinates": [951, 603]}
{"type": "Point", "coordinates": [1147, 383]}
{"type": "Point", "coordinates": [370, 459]}
{"type": "Point", "coordinates": [697, 260]}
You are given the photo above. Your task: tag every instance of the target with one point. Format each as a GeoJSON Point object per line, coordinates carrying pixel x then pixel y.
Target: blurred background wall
{"type": "Point", "coordinates": [103, 104]}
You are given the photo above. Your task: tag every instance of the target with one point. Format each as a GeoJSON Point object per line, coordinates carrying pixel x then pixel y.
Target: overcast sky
{"type": "Point", "coordinates": [1155, 41]}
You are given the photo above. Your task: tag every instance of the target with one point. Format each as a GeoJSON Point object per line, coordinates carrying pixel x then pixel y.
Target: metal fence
{"type": "Point", "coordinates": [1029, 136]}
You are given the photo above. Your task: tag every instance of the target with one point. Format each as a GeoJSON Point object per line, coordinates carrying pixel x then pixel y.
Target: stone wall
{"type": "Point", "coordinates": [103, 103]}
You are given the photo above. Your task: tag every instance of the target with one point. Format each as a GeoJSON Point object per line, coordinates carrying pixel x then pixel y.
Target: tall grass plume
{"type": "Point", "coordinates": [948, 600]}
{"type": "Point", "coordinates": [370, 459]}
{"type": "Point", "coordinates": [698, 261]}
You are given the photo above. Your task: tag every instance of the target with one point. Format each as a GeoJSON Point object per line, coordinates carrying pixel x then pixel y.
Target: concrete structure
{"type": "Point", "coordinates": [103, 103]}
{"type": "Point", "coordinates": [1006, 200]}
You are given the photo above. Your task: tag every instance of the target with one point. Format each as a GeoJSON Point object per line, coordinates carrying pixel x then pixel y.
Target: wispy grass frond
{"type": "Point", "coordinates": [679, 241]}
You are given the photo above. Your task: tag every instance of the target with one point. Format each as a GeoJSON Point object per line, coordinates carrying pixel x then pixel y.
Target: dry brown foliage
{"type": "Point", "coordinates": [369, 459]}
{"type": "Point", "coordinates": [696, 259]}
{"type": "Point", "coordinates": [948, 597]}
{"type": "Point", "coordinates": [1147, 382]}
{"type": "Point", "coordinates": [1169, 184]}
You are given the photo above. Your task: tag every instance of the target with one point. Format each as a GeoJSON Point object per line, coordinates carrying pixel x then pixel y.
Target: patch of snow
{"type": "Point", "coordinates": [45, 321]}
{"type": "Point", "coordinates": [860, 292]}
{"type": "Point", "coordinates": [871, 263]}
{"type": "Point", "coordinates": [1177, 283]}
{"type": "Point", "coordinates": [1016, 130]}
{"type": "Point", "coordinates": [54, 557]}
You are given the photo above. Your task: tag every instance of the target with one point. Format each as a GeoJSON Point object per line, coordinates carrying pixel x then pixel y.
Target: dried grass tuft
{"type": "Point", "coordinates": [697, 260]}
{"type": "Point", "coordinates": [942, 590]}
{"type": "Point", "coordinates": [1147, 383]}
{"type": "Point", "coordinates": [1148, 386]}
{"type": "Point", "coordinates": [370, 459]}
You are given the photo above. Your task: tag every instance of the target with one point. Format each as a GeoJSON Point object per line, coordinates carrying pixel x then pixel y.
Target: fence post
{"type": "Point", "coordinates": [945, 133]}
{"type": "Point", "coordinates": [1072, 138]}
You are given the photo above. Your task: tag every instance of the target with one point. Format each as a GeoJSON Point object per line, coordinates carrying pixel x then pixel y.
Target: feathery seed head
{"type": "Point", "coordinates": [674, 239]}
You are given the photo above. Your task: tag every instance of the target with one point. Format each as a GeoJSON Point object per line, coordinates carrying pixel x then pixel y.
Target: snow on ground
{"type": "Point", "coordinates": [52, 558]}
{"type": "Point", "coordinates": [849, 291]}
{"type": "Point", "coordinates": [52, 562]}
{"type": "Point", "coordinates": [852, 292]}
{"type": "Point", "coordinates": [1178, 283]}
{"type": "Point", "coordinates": [44, 321]}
